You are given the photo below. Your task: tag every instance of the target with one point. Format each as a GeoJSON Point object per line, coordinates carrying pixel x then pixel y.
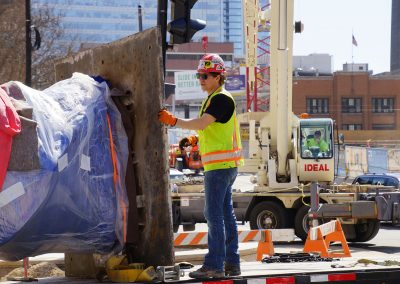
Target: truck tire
{"type": "Point", "coordinates": [301, 222]}
{"type": "Point", "coordinates": [267, 215]}
{"type": "Point", "coordinates": [366, 231]}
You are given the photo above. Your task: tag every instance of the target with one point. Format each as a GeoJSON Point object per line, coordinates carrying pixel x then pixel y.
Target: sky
{"type": "Point", "coordinates": [328, 28]}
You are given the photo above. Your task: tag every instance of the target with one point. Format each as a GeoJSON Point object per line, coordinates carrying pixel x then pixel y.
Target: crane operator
{"type": "Point", "coordinates": [317, 141]}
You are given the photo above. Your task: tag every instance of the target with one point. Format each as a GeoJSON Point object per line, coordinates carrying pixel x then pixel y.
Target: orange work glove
{"type": "Point", "coordinates": [166, 117]}
{"type": "Point", "coordinates": [188, 141]}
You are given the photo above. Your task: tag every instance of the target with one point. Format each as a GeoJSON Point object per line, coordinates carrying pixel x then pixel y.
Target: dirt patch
{"type": "Point", "coordinates": [40, 270]}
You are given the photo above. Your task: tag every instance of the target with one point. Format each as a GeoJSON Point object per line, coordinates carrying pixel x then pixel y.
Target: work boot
{"type": "Point", "coordinates": [232, 270]}
{"type": "Point", "coordinates": [203, 273]}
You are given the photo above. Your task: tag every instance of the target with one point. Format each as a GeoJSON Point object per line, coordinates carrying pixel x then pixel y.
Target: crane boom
{"type": "Point", "coordinates": [283, 139]}
{"type": "Point", "coordinates": [281, 79]}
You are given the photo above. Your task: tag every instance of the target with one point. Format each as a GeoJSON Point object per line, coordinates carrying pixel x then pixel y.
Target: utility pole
{"type": "Point", "coordinates": [28, 44]}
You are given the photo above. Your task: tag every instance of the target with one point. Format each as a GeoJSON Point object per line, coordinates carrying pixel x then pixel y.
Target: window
{"type": "Point", "coordinates": [316, 139]}
{"type": "Point", "coordinates": [377, 180]}
{"type": "Point", "coordinates": [317, 105]}
{"type": "Point", "coordinates": [383, 105]}
{"type": "Point", "coordinates": [363, 180]}
{"type": "Point", "coordinates": [351, 105]}
{"type": "Point", "coordinates": [169, 73]}
{"type": "Point", "coordinates": [392, 182]}
{"type": "Point", "coordinates": [383, 126]}
{"type": "Point", "coordinates": [352, 126]}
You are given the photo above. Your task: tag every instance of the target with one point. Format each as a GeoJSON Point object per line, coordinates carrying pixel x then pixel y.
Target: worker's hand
{"type": "Point", "coordinates": [188, 141]}
{"type": "Point", "coordinates": [166, 117]}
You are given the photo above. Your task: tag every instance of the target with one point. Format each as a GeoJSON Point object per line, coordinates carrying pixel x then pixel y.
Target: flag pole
{"type": "Point", "coordinates": [352, 61]}
{"type": "Point", "coordinates": [352, 47]}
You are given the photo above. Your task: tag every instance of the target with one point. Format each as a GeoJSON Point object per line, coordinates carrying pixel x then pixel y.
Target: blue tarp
{"type": "Point", "coordinates": [77, 201]}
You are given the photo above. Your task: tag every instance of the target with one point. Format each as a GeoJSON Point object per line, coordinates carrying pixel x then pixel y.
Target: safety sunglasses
{"type": "Point", "coordinates": [201, 76]}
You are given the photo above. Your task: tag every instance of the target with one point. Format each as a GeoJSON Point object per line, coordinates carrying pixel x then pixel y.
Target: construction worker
{"type": "Point", "coordinates": [317, 141]}
{"type": "Point", "coordinates": [220, 149]}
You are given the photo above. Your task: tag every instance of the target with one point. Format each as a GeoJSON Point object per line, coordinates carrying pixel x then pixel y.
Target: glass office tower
{"type": "Point", "coordinates": [233, 24]}
{"type": "Point", "coordinates": [101, 21]}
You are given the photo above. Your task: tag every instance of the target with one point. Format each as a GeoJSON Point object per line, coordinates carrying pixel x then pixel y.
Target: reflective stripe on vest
{"type": "Point", "coordinates": [235, 145]}
{"type": "Point", "coordinates": [222, 156]}
{"type": "Point", "coordinates": [226, 155]}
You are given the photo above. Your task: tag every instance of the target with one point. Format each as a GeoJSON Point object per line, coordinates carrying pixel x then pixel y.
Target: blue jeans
{"type": "Point", "coordinates": [221, 220]}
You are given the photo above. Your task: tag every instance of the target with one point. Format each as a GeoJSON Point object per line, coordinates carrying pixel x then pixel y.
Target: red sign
{"type": "Point", "coordinates": [316, 168]}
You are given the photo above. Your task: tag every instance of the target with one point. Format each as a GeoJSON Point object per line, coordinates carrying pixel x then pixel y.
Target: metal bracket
{"type": "Point", "coordinates": [169, 273]}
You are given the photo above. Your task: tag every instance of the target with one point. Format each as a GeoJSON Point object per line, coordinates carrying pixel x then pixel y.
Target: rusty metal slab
{"type": "Point", "coordinates": [134, 66]}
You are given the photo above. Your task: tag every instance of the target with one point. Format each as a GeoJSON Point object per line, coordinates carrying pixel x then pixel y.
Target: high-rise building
{"type": "Point", "coordinates": [99, 21]}
{"type": "Point", "coordinates": [102, 21]}
{"type": "Point", "coordinates": [395, 38]}
{"type": "Point", "coordinates": [233, 24]}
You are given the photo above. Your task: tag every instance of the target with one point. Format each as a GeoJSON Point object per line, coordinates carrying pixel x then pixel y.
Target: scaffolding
{"type": "Point", "coordinates": [257, 54]}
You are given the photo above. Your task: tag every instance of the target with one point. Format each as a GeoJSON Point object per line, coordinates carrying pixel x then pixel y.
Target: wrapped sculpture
{"type": "Point", "coordinates": [64, 189]}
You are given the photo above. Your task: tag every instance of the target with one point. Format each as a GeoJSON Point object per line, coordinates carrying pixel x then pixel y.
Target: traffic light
{"type": "Point", "coordinates": [181, 27]}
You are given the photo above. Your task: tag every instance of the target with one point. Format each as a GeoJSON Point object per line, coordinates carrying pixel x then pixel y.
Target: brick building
{"type": "Point", "coordinates": [355, 100]}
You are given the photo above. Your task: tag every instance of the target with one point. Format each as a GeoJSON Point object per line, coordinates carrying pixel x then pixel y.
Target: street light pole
{"type": "Point", "coordinates": [28, 44]}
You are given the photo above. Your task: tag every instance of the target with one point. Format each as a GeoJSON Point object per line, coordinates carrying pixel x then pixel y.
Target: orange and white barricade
{"type": "Point", "coordinates": [263, 237]}
{"type": "Point", "coordinates": [319, 238]}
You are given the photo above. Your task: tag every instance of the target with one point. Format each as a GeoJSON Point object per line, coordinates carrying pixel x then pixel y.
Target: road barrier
{"type": "Point", "coordinates": [319, 238]}
{"type": "Point", "coordinates": [264, 238]}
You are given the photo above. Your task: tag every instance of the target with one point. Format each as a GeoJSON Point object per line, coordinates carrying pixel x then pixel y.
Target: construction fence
{"type": "Point", "coordinates": [361, 160]}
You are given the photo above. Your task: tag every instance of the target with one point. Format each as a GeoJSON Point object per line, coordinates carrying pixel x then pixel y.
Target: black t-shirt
{"type": "Point", "coordinates": [221, 107]}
